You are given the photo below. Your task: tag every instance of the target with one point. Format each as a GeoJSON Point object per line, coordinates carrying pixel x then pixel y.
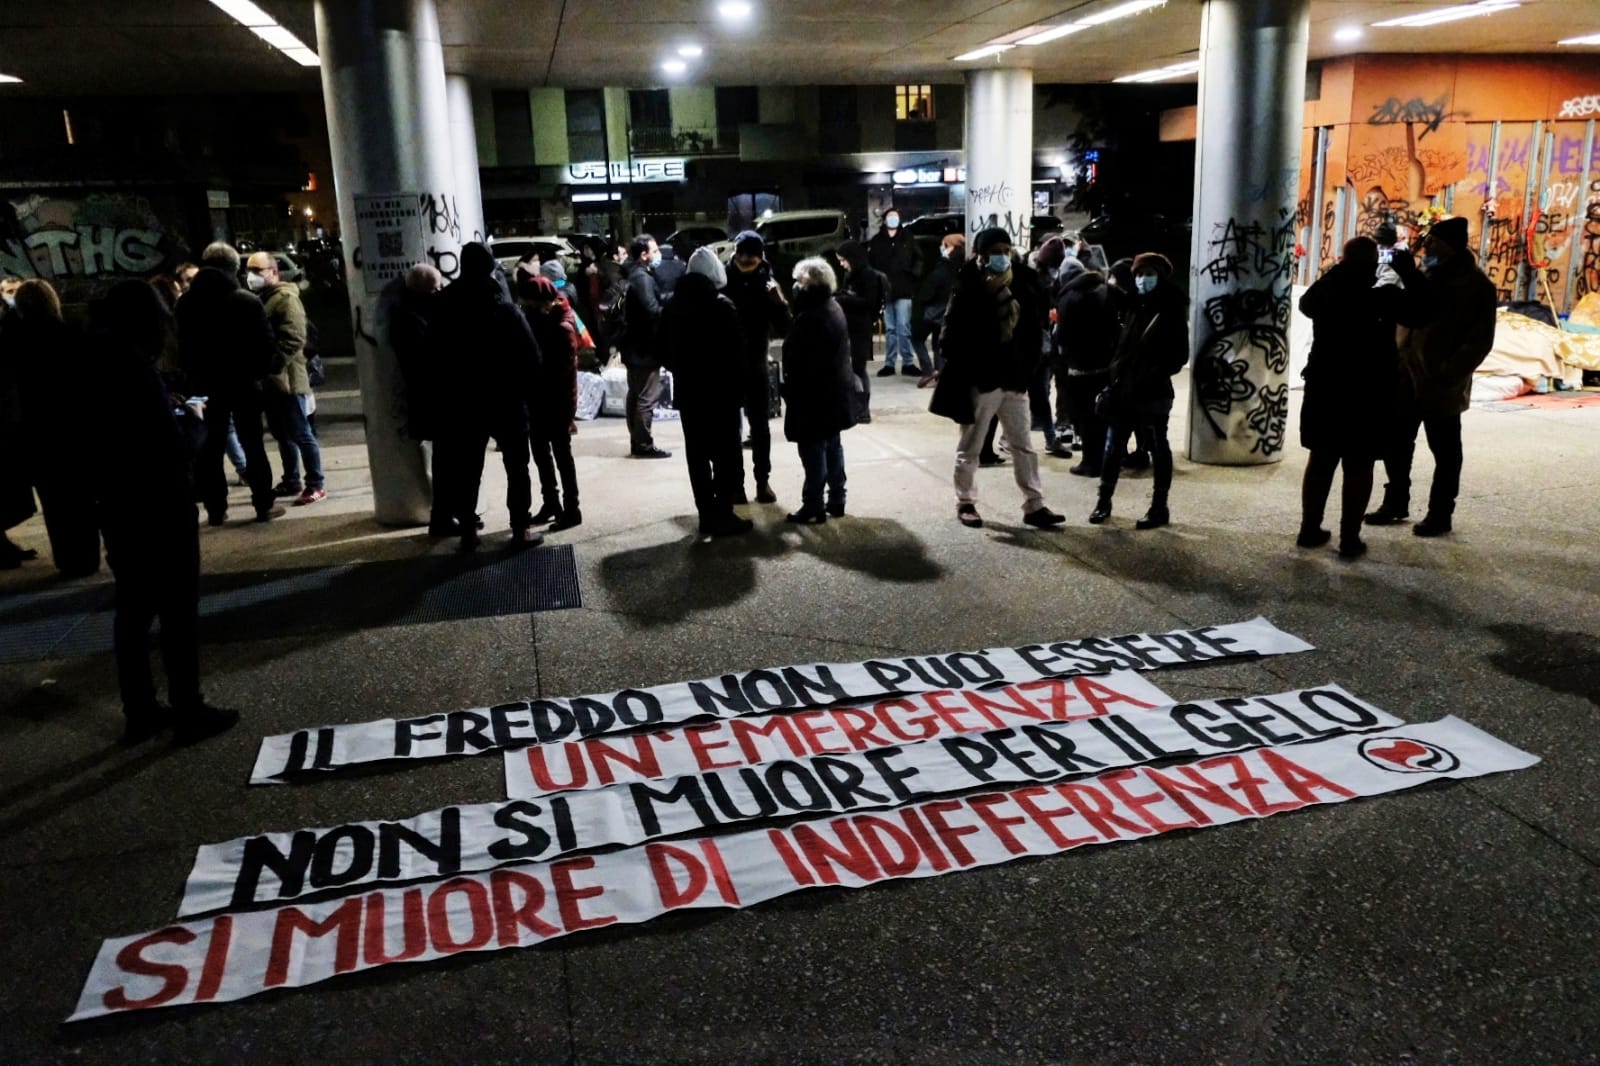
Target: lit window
{"type": "Point", "coordinates": [913, 103]}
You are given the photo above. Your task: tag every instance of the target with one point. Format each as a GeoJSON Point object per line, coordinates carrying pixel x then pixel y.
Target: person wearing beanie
{"type": "Point", "coordinates": [1085, 334]}
{"type": "Point", "coordinates": [894, 253]}
{"type": "Point", "coordinates": [863, 297]}
{"type": "Point", "coordinates": [933, 297]}
{"type": "Point", "coordinates": [993, 344]}
{"type": "Point", "coordinates": [763, 313]}
{"type": "Point", "coordinates": [1438, 356]}
{"type": "Point", "coordinates": [553, 399]}
{"type": "Point", "coordinates": [701, 342]}
{"type": "Point", "coordinates": [555, 272]}
{"type": "Point", "coordinates": [1138, 396]}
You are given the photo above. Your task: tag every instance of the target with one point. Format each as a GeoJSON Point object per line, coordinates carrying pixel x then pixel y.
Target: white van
{"type": "Point", "coordinates": [796, 234]}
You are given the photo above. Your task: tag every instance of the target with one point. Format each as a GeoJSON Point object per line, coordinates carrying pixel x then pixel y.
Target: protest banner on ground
{"type": "Point", "coordinates": [751, 740]}
{"type": "Point", "coordinates": [231, 956]}
{"type": "Point", "coordinates": [277, 867]}
{"type": "Point", "coordinates": [548, 721]}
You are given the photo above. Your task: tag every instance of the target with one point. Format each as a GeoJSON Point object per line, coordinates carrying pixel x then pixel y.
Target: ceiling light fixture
{"type": "Point", "coordinates": [1054, 33]}
{"type": "Point", "coordinates": [1121, 11]}
{"type": "Point", "coordinates": [245, 13]}
{"type": "Point", "coordinates": [1348, 33]}
{"type": "Point", "coordinates": [1176, 70]}
{"type": "Point", "coordinates": [266, 27]}
{"type": "Point", "coordinates": [735, 10]}
{"type": "Point", "coordinates": [10, 79]}
{"type": "Point", "coordinates": [691, 51]}
{"type": "Point", "coordinates": [983, 53]}
{"type": "Point", "coordinates": [673, 66]}
{"type": "Point", "coordinates": [1593, 38]}
{"type": "Point", "coordinates": [1450, 14]}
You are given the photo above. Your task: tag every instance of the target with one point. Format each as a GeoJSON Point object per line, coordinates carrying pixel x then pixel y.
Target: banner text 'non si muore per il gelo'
{"type": "Point", "coordinates": [233, 956]}
{"type": "Point", "coordinates": [548, 721]}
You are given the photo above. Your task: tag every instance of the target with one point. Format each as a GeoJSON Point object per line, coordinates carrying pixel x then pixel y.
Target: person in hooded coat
{"type": "Point", "coordinates": [1086, 331]}
{"type": "Point", "coordinates": [762, 313]}
{"type": "Point", "coordinates": [862, 297]}
{"type": "Point", "coordinates": [819, 381]}
{"type": "Point", "coordinates": [482, 344]}
{"type": "Point", "coordinates": [933, 298]}
{"type": "Point", "coordinates": [553, 401]}
{"type": "Point", "coordinates": [702, 342]}
{"type": "Point", "coordinates": [1152, 347]}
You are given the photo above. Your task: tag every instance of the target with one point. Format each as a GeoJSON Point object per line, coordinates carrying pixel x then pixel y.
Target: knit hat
{"type": "Point", "coordinates": [749, 243]}
{"type": "Point", "coordinates": [1452, 232]}
{"type": "Point", "coordinates": [1051, 254]}
{"type": "Point", "coordinates": [988, 238]}
{"type": "Point", "coordinates": [476, 260]}
{"type": "Point", "coordinates": [705, 263]}
{"type": "Point", "coordinates": [1153, 261]}
{"type": "Point", "coordinates": [537, 288]}
{"type": "Point", "coordinates": [555, 271]}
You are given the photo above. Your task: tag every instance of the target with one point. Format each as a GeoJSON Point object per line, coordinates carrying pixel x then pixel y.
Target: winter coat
{"type": "Point", "coordinates": [1153, 346]}
{"type": "Point", "coordinates": [818, 382]}
{"type": "Point", "coordinates": [49, 363]}
{"type": "Point", "coordinates": [669, 272]}
{"type": "Point", "coordinates": [553, 402]}
{"type": "Point", "coordinates": [1086, 328]}
{"type": "Point", "coordinates": [145, 444]}
{"type": "Point", "coordinates": [287, 316]}
{"type": "Point", "coordinates": [862, 298]}
{"type": "Point", "coordinates": [16, 492]}
{"type": "Point", "coordinates": [642, 315]}
{"type": "Point", "coordinates": [1353, 373]}
{"type": "Point", "coordinates": [975, 356]}
{"type": "Point", "coordinates": [224, 341]}
{"type": "Point", "coordinates": [702, 343]}
{"type": "Point", "coordinates": [899, 259]}
{"type": "Point", "coordinates": [485, 357]}
{"type": "Point", "coordinates": [1439, 357]}
{"type": "Point", "coordinates": [933, 294]}
{"type": "Point", "coordinates": [761, 314]}
{"type": "Point", "coordinates": [403, 323]}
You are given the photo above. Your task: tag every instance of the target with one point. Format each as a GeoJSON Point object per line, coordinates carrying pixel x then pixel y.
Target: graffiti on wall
{"type": "Point", "coordinates": [92, 239]}
{"type": "Point", "coordinates": [1580, 107]}
{"type": "Point", "coordinates": [1588, 272]}
{"type": "Point", "coordinates": [1430, 115]}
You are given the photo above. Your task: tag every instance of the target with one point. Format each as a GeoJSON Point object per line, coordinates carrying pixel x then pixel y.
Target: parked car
{"type": "Point", "coordinates": [510, 250]}
{"type": "Point", "coordinates": [792, 236]}
{"type": "Point", "coordinates": [687, 239]}
{"type": "Point", "coordinates": [596, 245]}
{"type": "Point", "coordinates": [938, 224]}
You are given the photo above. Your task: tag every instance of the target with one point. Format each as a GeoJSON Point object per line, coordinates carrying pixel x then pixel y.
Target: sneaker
{"type": "Point", "coordinates": [652, 452]}
{"type": "Point", "coordinates": [310, 496]}
{"type": "Point", "coordinates": [968, 515]}
{"type": "Point", "coordinates": [202, 723]}
{"type": "Point", "coordinates": [886, 372]}
{"type": "Point", "coordinates": [910, 371]}
{"type": "Point", "coordinates": [1043, 518]}
{"type": "Point", "coordinates": [764, 493]}
{"type": "Point", "coordinates": [267, 514]}
{"type": "Point", "coordinates": [1312, 538]}
{"type": "Point", "coordinates": [569, 518]}
{"type": "Point", "coordinates": [283, 490]}
{"type": "Point", "coordinates": [524, 537]}
{"type": "Point", "coordinates": [1431, 526]}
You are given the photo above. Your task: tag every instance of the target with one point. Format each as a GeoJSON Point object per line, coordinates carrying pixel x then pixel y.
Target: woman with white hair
{"type": "Point", "coordinates": [818, 384]}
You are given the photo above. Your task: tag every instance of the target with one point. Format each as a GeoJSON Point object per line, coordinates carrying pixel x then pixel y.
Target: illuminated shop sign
{"type": "Point", "coordinates": [641, 171]}
{"type": "Point", "coordinates": [930, 175]}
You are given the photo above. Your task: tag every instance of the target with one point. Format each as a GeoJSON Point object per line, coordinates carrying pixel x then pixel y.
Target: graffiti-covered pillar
{"type": "Point", "coordinates": [999, 152]}
{"type": "Point", "coordinates": [1247, 168]}
{"type": "Point", "coordinates": [464, 146]}
{"type": "Point", "coordinates": [393, 165]}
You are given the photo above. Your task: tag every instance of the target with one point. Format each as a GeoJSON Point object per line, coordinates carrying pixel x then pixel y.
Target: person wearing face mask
{"type": "Point", "coordinates": [553, 399]}
{"type": "Point", "coordinates": [1153, 346]}
{"type": "Point", "coordinates": [818, 384]}
{"type": "Point", "coordinates": [893, 253]}
{"type": "Point", "coordinates": [1438, 358]}
{"type": "Point", "coordinates": [641, 314]}
{"type": "Point", "coordinates": [763, 313]}
{"type": "Point", "coordinates": [993, 345]}
{"type": "Point", "coordinates": [862, 298]}
{"type": "Point", "coordinates": [933, 296]}
{"type": "Point", "coordinates": [1086, 331]}
{"type": "Point", "coordinates": [288, 388]}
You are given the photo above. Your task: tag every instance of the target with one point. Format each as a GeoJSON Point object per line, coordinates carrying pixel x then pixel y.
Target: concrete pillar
{"type": "Point", "coordinates": [999, 152]}
{"type": "Point", "coordinates": [464, 150]}
{"type": "Point", "coordinates": [1247, 167]}
{"type": "Point", "coordinates": [383, 85]}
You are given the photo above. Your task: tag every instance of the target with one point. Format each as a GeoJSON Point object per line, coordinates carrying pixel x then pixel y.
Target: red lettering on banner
{"type": "Point", "coordinates": [577, 768]}
{"type": "Point", "coordinates": [1058, 696]}
{"type": "Point", "coordinates": [701, 745]}
{"type": "Point", "coordinates": [478, 909]}
{"type": "Point", "coordinates": [858, 728]}
{"type": "Point", "coordinates": [570, 897]}
{"type": "Point", "coordinates": [924, 839]}
{"type": "Point", "coordinates": [662, 859]}
{"type": "Point", "coordinates": [925, 723]}
{"type": "Point", "coordinates": [1248, 784]}
{"type": "Point", "coordinates": [898, 863]}
{"type": "Point", "coordinates": [814, 723]}
{"type": "Point", "coordinates": [744, 731]}
{"type": "Point", "coordinates": [719, 871]}
{"type": "Point", "coordinates": [1099, 812]}
{"type": "Point", "coordinates": [413, 925]}
{"type": "Point", "coordinates": [510, 917]}
{"type": "Point", "coordinates": [821, 854]}
{"type": "Point", "coordinates": [798, 870]}
{"type": "Point", "coordinates": [999, 825]}
{"type": "Point", "coordinates": [216, 963]}
{"type": "Point", "coordinates": [345, 921]}
{"type": "Point", "coordinates": [1198, 785]}
{"type": "Point", "coordinates": [950, 835]}
{"type": "Point", "coordinates": [951, 713]}
{"type": "Point", "coordinates": [1101, 697]}
{"type": "Point", "coordinates": [174, 978]}
{"type": "Point", "coordinates": [1113, 782]}
{"type": "Point", "coordinates": [1020, 705]}
{"type": "Point", "coordinates": [1046, 819]}
{"type": "Point", "coordinates": [1297, 779]}
{"type": "Point", "coordinates": [643, 761]}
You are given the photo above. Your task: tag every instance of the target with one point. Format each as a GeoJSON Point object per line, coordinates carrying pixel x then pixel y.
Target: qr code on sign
{"type": "Point", "coordinates": [391, 244]}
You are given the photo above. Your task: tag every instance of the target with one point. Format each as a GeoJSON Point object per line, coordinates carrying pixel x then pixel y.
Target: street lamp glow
{"type": "Point", "coordinates": [735, 10]}
{"type": "Point", "coordinates": [245, 13]}
{"type": "Point", "coordinates": [674, 66]}
{"type": "Point", "coordinates": [10, 79]}
{"type": "Point", "coordinates": [691, 51]}
{"type": "Point", "coordinates": [1347, 33]}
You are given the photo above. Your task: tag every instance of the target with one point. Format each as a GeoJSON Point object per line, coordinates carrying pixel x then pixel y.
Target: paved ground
{"type": "Point", "coordinates": [1449, 924]}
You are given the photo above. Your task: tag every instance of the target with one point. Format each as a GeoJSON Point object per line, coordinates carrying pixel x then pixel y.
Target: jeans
{"type": "Point", "coordinates": [1444, 441]}
{"type": "Point", "coordinates": [897, 327]}
{"type": "Point", "coordinates": [824, 465]}
{"type": "Point", "coordinates": [924, 331]}
{"type": "Point", "coordinates": [296, 439]}
{"type": "Point", "coordinates": [755, 411]}
{"type": "Point", "coordinates": [1153, 430]}
{"type": "Point", "coordinates": [234, 449]}
{"type": "Point", "coordinates": [244, 406]}
{"type": "Point", "coordinates": [552, 456]}
{"type": "Point", "coordinates": [644, 388]}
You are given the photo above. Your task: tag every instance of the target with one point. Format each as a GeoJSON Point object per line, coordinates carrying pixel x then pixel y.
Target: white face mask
{"type": "Point", "coordinates": [256, 282]}
{"type": "Point", "coordinates": [11, 301]}
{"type": "Point", "coordinates": [1145, 283]}
{"type": "Point", "coordinates": [892, 221]}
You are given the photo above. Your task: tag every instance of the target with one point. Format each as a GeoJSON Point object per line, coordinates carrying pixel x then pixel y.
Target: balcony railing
{"type": "Point", "coordinates": [661, 140]}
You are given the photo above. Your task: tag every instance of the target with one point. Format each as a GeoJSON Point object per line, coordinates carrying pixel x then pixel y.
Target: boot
{"type": "Point", "coordinates": [764, 493]}
{"type": "Point", "coordinates": [1101, 512]}
{"type": "Point", "coordinates": [570, 517]}
{"type": "Point", "coordinates": [1154, 518]}
{"type": "Point", "coordinates": [549, 512]}
{"type": "Point", "coordinates": [1392, 511]}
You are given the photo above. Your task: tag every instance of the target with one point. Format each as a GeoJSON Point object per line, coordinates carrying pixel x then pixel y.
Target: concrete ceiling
{"type": "Point", "coordinates": [72, 47]}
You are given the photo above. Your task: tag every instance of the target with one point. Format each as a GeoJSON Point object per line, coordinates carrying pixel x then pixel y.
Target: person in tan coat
{"type": "Point", "coordinates": [288, 389]}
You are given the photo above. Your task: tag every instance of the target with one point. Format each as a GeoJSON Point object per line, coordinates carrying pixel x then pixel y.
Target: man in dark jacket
{"type": "Point", "coordinates": [895, 254]}
{"type": "Point", "coordinates": [225, 348]}
{"type": "Point", "coordinates": [862, 297]}
{"type": "Point", "coordinates": [642, 314]}
{"type": "Point", "coordinates": [1439, 359]}
{"type": "Point", "coordinates": [702, 343]}
{"type": "Point", "coordinates": [669, 271]}
{"type": "Point", "coordinates": [1085, 338]}
{"type": "Point", "coordinates": [993, 342]}
{"type": "Point", "coordinates": [762, 312]}
{"type": "Point", "coordinates": [492, 360]}
{"type": "Point", "coordinates": [933, 297]}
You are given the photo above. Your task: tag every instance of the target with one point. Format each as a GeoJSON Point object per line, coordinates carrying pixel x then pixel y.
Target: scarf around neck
{"type": "Point", "coordinates": [999, 286]}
